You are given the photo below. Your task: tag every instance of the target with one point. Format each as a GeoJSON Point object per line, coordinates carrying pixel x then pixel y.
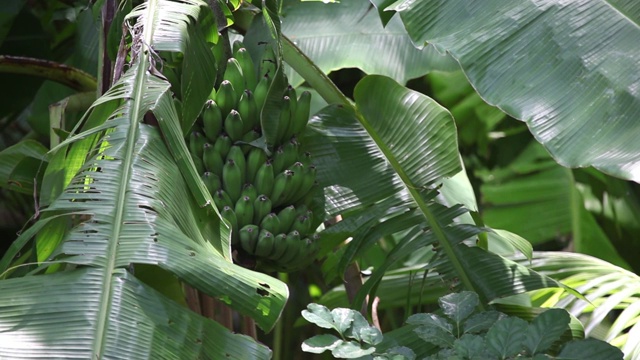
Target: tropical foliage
{"type": "Point", "coordinates": [444, 163]}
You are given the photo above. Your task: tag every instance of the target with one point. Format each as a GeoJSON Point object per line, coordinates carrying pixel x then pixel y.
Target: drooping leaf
{"type": "Point", "coordinates": [536, 61]}
{"type": "Point", "coordinates": [348, 34]}
{"type": "Point", "coordinates": [321, 343]}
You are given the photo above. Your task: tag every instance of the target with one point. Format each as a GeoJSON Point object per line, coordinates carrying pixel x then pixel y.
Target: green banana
{"type": "Point", "coordinates": [300, 117]}
{"type": "Point", "coordinates": [264, 179]}
{"type": "Point", "coordinates": [233, 125]}
{"type": "Point", "coordinates": [265, 243]}
{"type": "Point", "coordinates": [285, 120]}
{"type": "Point", "coordinates": [248, 235]}
{"type": "Point", "coordinates": [237, 45]}
{"type": "Point", "coordinates": [302, 225]}
{"type": "Point", "coordinates": [285, 155]}
{"type": "Point", "coordinates": [281, 184]}
{"type": "Point", "coordinates": [232, 180]}
{"type": "Point", "coordinates": [293, 249]}
{"type": "Point", "coordinates": [236, 154]}
{"type": "Point", "coordinates": [268, 63]}
{"type": "Point", "coordinates": [212, 160]}
{"type": "Point", "coordinates": [279, 247]}
{"type": "Point", "coordinates": [250, 191]}
{"type": "Point", "coordinates": [198, 164]}
{"type": "Point", "coordinates": [248, 111]}
{"type": "Point", "coordinates": [247, 66]}
{"type": "Point", "coordinates": [230, 216]}
{"type": "Point", "coordinates": [211, 120]}
{"type": "Point", "coordinates": [222, 145]}
{"type": "Point", "coordinates": [255, 158]}
{"type": "Point", "coordinates": [196, 143]}
{"type": "Point", "coordinates": [296, 182]}
{"type": "Point", "coordinates": [248, 138]}
{"type": "Point", "coordinates": [307, 182]}
{"type": "Point", "coordinates": [211, 181]}
{"type": "Point", "coordinates": [305, 159]}
{"type": "Point", "coordinates": [226, 97]}
{"type": "Point", "coordinates": [261, 207]}
{"type": "Point", "coordinates": [271, 222]}
{"type": "Point", "coordinates": [287, 216]}
{"type": "Point", "coordinates": [244, 210]}
{"type": "Point", "coordinates": [306, 255]}
{"type": "Point", "coordinates": [290, 91]}
{"type": "Point", "coordinates": [261, 91]}
{"type": "Point", "coordinates": [222, 199]}
{"type": "Point", "coordinates": [233, 74]}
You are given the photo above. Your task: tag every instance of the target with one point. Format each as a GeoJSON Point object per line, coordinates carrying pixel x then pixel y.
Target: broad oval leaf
{"type": "Point", "coordinates": [321, 343]}
{"type": "Point", "coordinates": [458, 306]}
{"type": "Point", "coordinates": [589, 349]}
{"type": "Point", "coordinates": [505, 337]}
{"type": "Point", "coordinates": [568, 69]}
{"type": "Point", "coordinates": [319, 315]}
{"type": "Point", "coordinates": [545, 329]}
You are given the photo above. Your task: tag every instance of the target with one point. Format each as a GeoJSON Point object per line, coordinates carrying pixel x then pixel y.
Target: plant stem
{"type": "Point", "coordinates": [312, 74]}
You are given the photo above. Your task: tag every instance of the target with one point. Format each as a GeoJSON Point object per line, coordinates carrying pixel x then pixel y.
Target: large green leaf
{"type": "Point", "coordinates": [610, 289]}
{"type": "Point", "coordinates": [568, 69]}
{"type": "Point", "coordinates": [539, 200]}
{"type": "Point", "coordinates": [131, 202]}
{"type": "Point", "coordinates": [349, 34]}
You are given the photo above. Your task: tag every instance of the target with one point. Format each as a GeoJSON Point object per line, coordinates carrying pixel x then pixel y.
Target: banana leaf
{"type": "Point", "coordinates": [134, 200]}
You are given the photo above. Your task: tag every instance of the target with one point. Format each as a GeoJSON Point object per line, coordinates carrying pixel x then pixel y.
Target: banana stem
{"type": "Point", "coordinates": [312, 74]}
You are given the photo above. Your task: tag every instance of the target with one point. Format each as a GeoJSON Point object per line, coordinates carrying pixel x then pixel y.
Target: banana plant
{"type": "Point", "coordinates": [126, 206]}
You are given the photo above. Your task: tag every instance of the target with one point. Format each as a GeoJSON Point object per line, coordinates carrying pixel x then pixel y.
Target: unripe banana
{"type": "Point", "coordinates": [232, 180]}
{"type": "Point", "coordinates": [233, 125]}
{"type": "Point", "coordinates": [237, 45]}
{"type": "Point", "coordinates": [291, 93]}
{"type": "Point", "coordinates": [287, 216]}
{"type": "Point", "coordinates": [230, 216]}
{"type": "Point", "coordinates": [307, 182]}
{"type": "Point", "coordinates": [222, 199]}
{"type": "Point", "coordinates": [255, 158]}
{"type": "Point", "coordinates": [250, 191]}
{"type": "Point", "coordinates": [271, 222]}
{"type": "Point", "coordinates": [212, 160]}
{"type": "Point", "coordinates": [247, 66]}
{"type": "Point", "coordinates": [285, 120]}
{"type": "Point", "coordinates": [285, 156]}
{"type": "Point", "coordinates": [222, 145]}
{"type": "Point", "coordinates": [211, 181]}
{"type": "Point", "coordinates": [268, 62]}
{"type": "Point", "coordinates": [248, 138]}
{"type": "Point", "coordinates": [293, 249]}
{"type": "Point", "coordinates": [226, 97]}
{"type": "Point", "coordinates": [279, 247]}
{"type": "Point", "coordinates": [261, 91]}
{"type": "Point", "coordinates": [198, 164]}
{"type": "Point", "coordinates": [248, 235]}
{"type": "Point", "coordinates": [248, 111]}
{"type": "Point", "coordinates": [281, 184]}
{"type": "Point", "coordinates": [306, 255]}
{"type": "Point", "coordinates": [233, 74]}
{"type": "Point", "coordinates": [244, 210]}
{"type": "Point", "coordinates": [211, 120]}
{"type": "Point", "coordinates": [302, 225]}
{"type": "Point", "coordinates": [261, 207]}
{"type": "Point", "coordinates": [305, 159]}
{"type": "Point", "coordinates": [264, 179]}
{"type": "Point", "coordinates": [298, 177]}
{"type": "Point", "coordinates": [301, 115]}
{"type": "Point", "coordinates": [265, 243]}
{"type": "Point", "coordinates": [237, 155]}
{"type": "Point", "coordinates": [196, 143]}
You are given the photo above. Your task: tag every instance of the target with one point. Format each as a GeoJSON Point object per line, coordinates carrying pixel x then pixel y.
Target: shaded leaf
{"type": "Point", "coordinates": [458, 306]}
{"type": "Point", "coordinates": [545, 329]}
{"type": "Point", "coordinates": [589, 349]}
{"type": "Point", "coordinates": [506, 336]}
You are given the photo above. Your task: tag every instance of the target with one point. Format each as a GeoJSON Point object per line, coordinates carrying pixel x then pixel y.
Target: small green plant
{"type": "Point", "coordinates": [357, 339]}
{"type": "Point", "coordinates": [462, 333]}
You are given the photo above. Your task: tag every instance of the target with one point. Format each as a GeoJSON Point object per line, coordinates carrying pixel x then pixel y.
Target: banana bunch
{"type": "Point", "coordinates": [265, 199]}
